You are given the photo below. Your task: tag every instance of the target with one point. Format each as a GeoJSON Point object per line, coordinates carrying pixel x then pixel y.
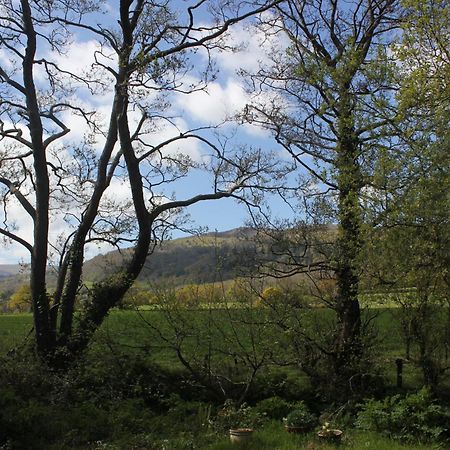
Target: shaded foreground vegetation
{"type": "Point", "coordinates": [141, 387]}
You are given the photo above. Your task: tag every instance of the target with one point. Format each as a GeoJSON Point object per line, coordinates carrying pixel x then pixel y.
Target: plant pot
{"type": "Point", "coordinates": [291, 429]}
{"type": "Point", "coordinates": [330, 435]}
{"type": "Point", "coordinates": [239, 435]}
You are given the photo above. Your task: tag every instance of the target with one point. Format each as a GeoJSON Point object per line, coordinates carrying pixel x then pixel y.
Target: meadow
{"type": "Point", "coordinates": [134, 389]}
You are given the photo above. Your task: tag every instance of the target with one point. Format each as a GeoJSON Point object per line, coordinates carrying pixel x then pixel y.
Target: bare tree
{"type": "Point", "coordinates": [223, 349]}
{"type": "Point", "coordinates": [141, 53]}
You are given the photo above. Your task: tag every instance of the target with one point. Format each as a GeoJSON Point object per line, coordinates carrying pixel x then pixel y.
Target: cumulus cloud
{"type": "Point", "coordinates": [228, 95]}
{"type": "Point", "coordinates": [221, 100]}
{"type": "Point", "coordinates": [81, 57]}
{"type": "Point", "coordinates": [216, 103]}
{"type": "Point", "coordinates": [23, 227]}
{"type": "Point", "coordinates": [252, 50]}
{"type": "Point", "coordinates": [5, 60]}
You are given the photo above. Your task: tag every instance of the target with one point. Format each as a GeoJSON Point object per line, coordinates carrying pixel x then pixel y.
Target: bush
{"type": "Point", "coordinates": [300, 417]}
{"type": "Point", "coordinates": [274, 407]}
{"type": "Point", "coordinates": [414, 417]}
{"type": "Point", "coordinates": [233, 416]}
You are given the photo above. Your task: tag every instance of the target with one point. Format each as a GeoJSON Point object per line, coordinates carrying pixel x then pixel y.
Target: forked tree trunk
{"type": "Point", "coordinates": [44, 336]}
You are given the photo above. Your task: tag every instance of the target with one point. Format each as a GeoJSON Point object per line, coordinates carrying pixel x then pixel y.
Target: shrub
{"type": "Point", "coordinates": [414, 417]}
{"type": "Point", "coordinates": [232, 416]}
{"type": "Point", "coordinates": [274, 407]}
{"type": "Point", "coordinates": [300, 417]}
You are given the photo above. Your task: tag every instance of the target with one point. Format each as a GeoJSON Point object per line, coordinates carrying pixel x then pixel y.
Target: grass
{"type": "Point", "coordinates": [14, 329]}
{"type": "Point", "coordinates": [273, 437]}
{"type": "Point", "coordinates": [128, 331]}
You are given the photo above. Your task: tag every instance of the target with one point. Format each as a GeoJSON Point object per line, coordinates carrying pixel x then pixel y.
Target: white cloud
{"type": "Point", "coordinates": [216, 104]}
{"type": "Point", "coordinates": [252, 50]}
{"type": "Point", "coordinates": [164, 131]}
{"type": "Point", "coordinates": [23, 228]}
{"type": "Point", "coordinates": [5, 60]}
{"type": "Point", "coordinates": [80, 57]}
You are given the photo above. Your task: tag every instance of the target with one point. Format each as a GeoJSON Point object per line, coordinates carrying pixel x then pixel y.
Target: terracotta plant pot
{"type": "Point", "coordinates": [330, 435]}
{"type": "Point", "coordinates": [238, 435]}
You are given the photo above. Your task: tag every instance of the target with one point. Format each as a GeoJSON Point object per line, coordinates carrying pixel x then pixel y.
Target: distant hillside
{"type": "Point", "coordinates": [218, 256]}
{"type": "Point", "coordinates": [6, 270]}
{"type": "Point", "coordinates": [11, 277]}
{"type": "Point", "coordinates": [196, 259]}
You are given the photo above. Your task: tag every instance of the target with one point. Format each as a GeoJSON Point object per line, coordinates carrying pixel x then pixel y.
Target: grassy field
{"type": "Point", "coordinates": [131, 327]}
{"type": "Point", "coordinates": [14, 330]}
{"type": "Point", "coordinates": [134, 330]}
{"type": "Point", "coordinates": [108, 407]}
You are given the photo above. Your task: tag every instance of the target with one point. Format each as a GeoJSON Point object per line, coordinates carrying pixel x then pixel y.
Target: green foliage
{"type": "Point", "coordinates": [424, 51]}
{"type": "Point", "coordinates": [119, 401]}
{"type": "Point", "coordinates": [237, 416]}
{"type": "Point", "coordinates": [274, 407]}
{"type": "Point", "coordinates": [33, 412]}
{"type": "Point", "coordinates": [413, 417]}
{"type": "Point", "coordinates": [301, 416]}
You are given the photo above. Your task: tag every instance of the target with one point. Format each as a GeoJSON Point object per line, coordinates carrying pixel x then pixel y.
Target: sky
{"type": "Point", "coordinates": [223, 97]}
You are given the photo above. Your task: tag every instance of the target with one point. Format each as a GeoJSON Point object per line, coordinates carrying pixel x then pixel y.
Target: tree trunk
{"type": "Point", "coordinates": [347, 343]}
{"type": "Point", "coordinates": [109, 292]}
{"type": "Point", "coordinates": [42, 326]}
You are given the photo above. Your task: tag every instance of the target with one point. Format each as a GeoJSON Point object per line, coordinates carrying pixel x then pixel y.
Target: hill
{"type": "Point", "coordinates": [195, 259]}
{"type": "Point", "coordinates": [7, 270]}
{"type": "Point", "coordinates": [206, 258]}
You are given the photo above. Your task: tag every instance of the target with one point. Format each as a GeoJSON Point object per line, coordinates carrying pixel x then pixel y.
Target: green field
{"type": "Point", "coordinates": [132, 331]}
{"type": "Point", "coordinates": [104, 403]}
{"type": "Point", "coordinates": [14, 330]}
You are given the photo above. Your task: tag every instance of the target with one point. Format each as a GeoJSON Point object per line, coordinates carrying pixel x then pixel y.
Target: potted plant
{"type": "Point", "coordinates": [240, 421]}
{"type": "Point", "coordinates": [330, 434]}
{"type": "Point", "coordinates": [300, 420]}
{"type": "Point", "coordinates": [239, 435]}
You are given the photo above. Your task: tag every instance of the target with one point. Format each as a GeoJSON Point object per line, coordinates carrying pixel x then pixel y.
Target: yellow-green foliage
{"type": "Point", "coordinates": [285, 296]}
{"type": "Point", "coordinates": [196, 294]}
{"type": "Point", "coordinates": [240, 292]}
{"type": "Point", "coordinates": [272, 295]}
{"type": "Point", "coordinates": [137, 296]}
{"type": "Point", "coordinates": [326, 289]}
{"type": "Point", "coordinates": [424, 51]}
{"type": "Point", "coordinates": [21, 300]}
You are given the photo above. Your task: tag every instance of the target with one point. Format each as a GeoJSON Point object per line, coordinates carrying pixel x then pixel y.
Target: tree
{"type": "Point", "coordinates": [140, 56]}
{"type": "Point", "coordinates": [21, 299]}
{"type": "Point", "coordinates": [331, 88]}
{"type": "Point", "coordinates": [413, 238]}
{"type": "Point", "coordinates": [222, 349]}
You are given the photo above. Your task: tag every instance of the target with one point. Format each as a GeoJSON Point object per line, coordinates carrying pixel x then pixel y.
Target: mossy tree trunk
{"type": "Point", "coordinates": [349, 242]}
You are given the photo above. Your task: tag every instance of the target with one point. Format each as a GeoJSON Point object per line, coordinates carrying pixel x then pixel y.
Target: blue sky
{"type": "Point", "coordinates": [223, 97]}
